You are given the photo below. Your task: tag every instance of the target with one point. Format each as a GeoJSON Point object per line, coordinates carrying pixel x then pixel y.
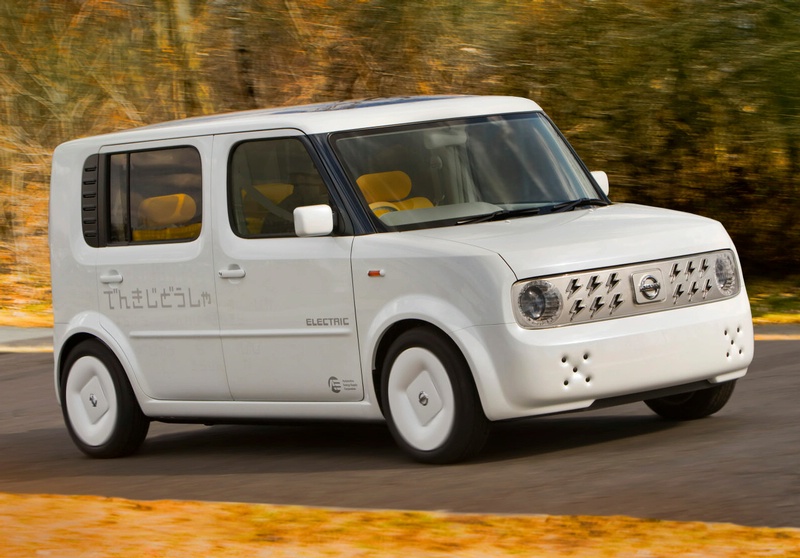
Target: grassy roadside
{"type": "Point", "coordinates": [775, 301]}
{"type": "Point", "coordinates": [26, 318]}
{"type": "Point", "coordinates": [34, 525]}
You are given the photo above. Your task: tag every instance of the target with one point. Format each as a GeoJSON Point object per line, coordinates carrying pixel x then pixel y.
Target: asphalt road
{"type": "Point", "coordinates": [738, 466]}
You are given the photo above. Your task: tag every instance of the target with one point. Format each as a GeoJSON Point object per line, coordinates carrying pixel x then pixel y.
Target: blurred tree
{"type": "Point", "coordinates": [690, 104]}
{"type": "Point", "coordinates": [178, 26]}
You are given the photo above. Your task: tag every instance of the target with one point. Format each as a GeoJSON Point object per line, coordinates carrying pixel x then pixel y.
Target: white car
{"type": "Point", "coordinates": [437, 262]}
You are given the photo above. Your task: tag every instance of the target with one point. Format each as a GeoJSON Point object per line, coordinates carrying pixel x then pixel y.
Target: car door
{"type": "Point", "coordinates": [286, 309]}
{"type": "Point", "coordinates": [155, 272]}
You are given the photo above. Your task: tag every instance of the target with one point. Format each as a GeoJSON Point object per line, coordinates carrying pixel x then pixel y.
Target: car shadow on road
{"type": "Point", "coordinates": [540, 436]}
{"type": "Point", "coordinates": [273, 446]}
{"type": "Point", "coordinates": [305, 447]}
{"type": "Point", "coordinates": [326, 447]}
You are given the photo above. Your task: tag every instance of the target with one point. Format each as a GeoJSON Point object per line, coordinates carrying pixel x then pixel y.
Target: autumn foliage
{"type": "Point", "coordinates": [690, 104]}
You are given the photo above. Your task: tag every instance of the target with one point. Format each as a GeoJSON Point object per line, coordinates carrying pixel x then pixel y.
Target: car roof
{"type": "Point", "coordinates": [325, 117]}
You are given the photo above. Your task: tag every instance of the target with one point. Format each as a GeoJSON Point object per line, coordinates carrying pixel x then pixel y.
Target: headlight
{"type": "Point", "coordinates": [725, 274]}
{"type": "Point", "coordinates": [538, 303]}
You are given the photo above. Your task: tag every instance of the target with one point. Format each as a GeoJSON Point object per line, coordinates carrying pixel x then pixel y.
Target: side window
{"type": "Point", "coordinates": [154, 196]}
{"type": "Point", "coordinates": [267, 180]}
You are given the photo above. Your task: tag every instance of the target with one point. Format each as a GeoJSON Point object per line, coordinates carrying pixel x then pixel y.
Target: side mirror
{"type": "Point", "coordinates": [313, 220]}
{"type": "Point", "coordinates": [602, 180]}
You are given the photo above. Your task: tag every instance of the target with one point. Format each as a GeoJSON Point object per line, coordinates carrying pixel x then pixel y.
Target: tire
{"type": "Point", "coordinates": [693, 405]}
{"type": "Point", "coordinates": [429, 399]}
{"type": "Point", "coordinates": [99, 407]}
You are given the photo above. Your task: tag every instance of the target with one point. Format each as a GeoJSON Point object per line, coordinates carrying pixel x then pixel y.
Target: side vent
{"type": "Point", "coordinates": [89, 201]}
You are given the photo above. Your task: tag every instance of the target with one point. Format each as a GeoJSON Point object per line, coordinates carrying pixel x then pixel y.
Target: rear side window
{"type": "Point", "coordinates": [147, 196]}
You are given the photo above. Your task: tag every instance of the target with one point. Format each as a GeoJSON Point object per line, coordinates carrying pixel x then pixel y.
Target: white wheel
{"type": "Point", "coordinates": [429, 398]}
{"type": "Point", "coordinates": [421, 399]}
{"type": "Point", "coordinates": [91, 401]}
{"type": "Point", "coordinates": [99, 407]}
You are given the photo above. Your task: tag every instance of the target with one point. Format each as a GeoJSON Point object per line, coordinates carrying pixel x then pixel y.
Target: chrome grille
{"type": "Point", "coordinates": [634, 289]}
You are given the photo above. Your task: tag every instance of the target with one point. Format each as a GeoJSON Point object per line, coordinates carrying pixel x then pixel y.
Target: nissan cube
{"type": "Point", "coordinates": [439, 263]}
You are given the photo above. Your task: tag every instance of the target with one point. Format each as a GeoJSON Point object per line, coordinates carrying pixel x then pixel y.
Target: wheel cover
{"type": "Point", "coordinates": [91, 401]}
{"type": "Point", "coordinates": [421, 399]}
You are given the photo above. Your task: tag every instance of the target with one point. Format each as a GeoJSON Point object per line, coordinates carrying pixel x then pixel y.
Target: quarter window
{"type": "Point", "coordinates": [154, 196]}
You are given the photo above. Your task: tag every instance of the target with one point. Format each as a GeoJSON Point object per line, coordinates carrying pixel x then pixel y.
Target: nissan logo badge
{"type": "Point", "coordinates": [649, 287]}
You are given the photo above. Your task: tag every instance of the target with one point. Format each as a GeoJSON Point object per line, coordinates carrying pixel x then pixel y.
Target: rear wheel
{"type": "Point", "coordinates": [429, 398]}
{"type": "Point", "coordinates": [693, 405]}
{"type": "Point", "coordinates": [99, 407]}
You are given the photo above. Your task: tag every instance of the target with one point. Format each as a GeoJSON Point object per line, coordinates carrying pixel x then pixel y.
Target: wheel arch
{"type": "Point", "coordinates": [390, 335]}
{"type": "Point", "coordinates": [117, 426]}
{"type": "Point", "coordinates": [66, 348]}
{"type": "Point", "coordinates": [87, 327]}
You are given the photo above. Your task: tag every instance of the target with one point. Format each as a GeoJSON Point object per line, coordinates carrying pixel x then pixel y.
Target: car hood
{"type": "Point", "coordinates": [589, 238]}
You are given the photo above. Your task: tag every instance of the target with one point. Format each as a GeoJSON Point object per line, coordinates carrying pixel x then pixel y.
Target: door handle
{"type": "Point", "coordinates": [233, 271]}
{"type": "Point", "coordinates": [112, 276]}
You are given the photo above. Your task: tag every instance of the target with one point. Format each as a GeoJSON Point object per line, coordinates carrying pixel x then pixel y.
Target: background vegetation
{"type": "Point", "coordinates": [689, 104]}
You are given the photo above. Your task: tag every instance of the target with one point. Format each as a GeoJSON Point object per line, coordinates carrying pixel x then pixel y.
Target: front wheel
{"type": "Point", "coordinates": [693, 405]}
{"type": "Point", "coordinates": [99, 407]}
{"type": "Point", "coordinates": [429, 398]}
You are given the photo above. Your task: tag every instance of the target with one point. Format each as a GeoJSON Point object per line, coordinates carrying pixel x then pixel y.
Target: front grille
{"type": "Point", "coordinates": [642, 288]}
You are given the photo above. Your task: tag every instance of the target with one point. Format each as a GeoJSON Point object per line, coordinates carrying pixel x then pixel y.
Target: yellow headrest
{"type": "Point", "coordinates": [275, 191]}
{"type": "Point", "coordinates": [384, 186]}
{"type": "Point", "coordinates": [167, 210]}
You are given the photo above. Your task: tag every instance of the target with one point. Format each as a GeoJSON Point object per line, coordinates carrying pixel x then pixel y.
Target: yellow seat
{"type": "Point", "coordinates": [166, 218]}
{"type": "Point", "coordinates": [254, 212]}
{"type": "Point", "coordinates": [388, 191]}
{"type": "Point", "coordinates": [186, 232]}
{"type": "Point", "coordinates": [167, 210]}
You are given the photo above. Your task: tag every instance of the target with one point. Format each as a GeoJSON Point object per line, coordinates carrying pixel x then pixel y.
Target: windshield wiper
{"type": "Point", "coordinates": [501, 214]}
{"type": "Point", "coordinates": [563, 207]}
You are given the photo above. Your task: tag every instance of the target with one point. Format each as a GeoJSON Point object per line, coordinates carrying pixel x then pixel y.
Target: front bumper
{"type": "Point", "coordinates": [533, 372]}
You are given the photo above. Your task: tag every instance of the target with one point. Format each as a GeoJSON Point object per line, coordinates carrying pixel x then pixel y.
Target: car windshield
{"type": "Point", "coordinates": [465, 170]}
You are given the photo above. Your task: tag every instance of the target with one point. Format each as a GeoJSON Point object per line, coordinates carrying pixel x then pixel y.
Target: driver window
{"type": "Point", "coordinates": [268, 180]}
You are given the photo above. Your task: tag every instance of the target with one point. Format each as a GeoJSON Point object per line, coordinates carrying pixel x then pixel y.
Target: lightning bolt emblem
{"type": "Point", "coordinates": [576, 309]}
{"type": "Point", "coordinates": [594, 284]}
{"type": "Point", "coordinates": [597, 304]}
{"type": "Point", "coordinates": [573, 287]}
{"type": "Point", "coordinates": [613, 281]}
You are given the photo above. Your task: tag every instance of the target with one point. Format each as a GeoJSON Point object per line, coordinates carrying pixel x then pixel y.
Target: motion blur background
{"type": "Point", "coordinates": [687, 104]}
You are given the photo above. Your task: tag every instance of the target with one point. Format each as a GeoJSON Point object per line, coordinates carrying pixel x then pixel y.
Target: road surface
{"type": "Point", "coordinates": [740, 466]}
